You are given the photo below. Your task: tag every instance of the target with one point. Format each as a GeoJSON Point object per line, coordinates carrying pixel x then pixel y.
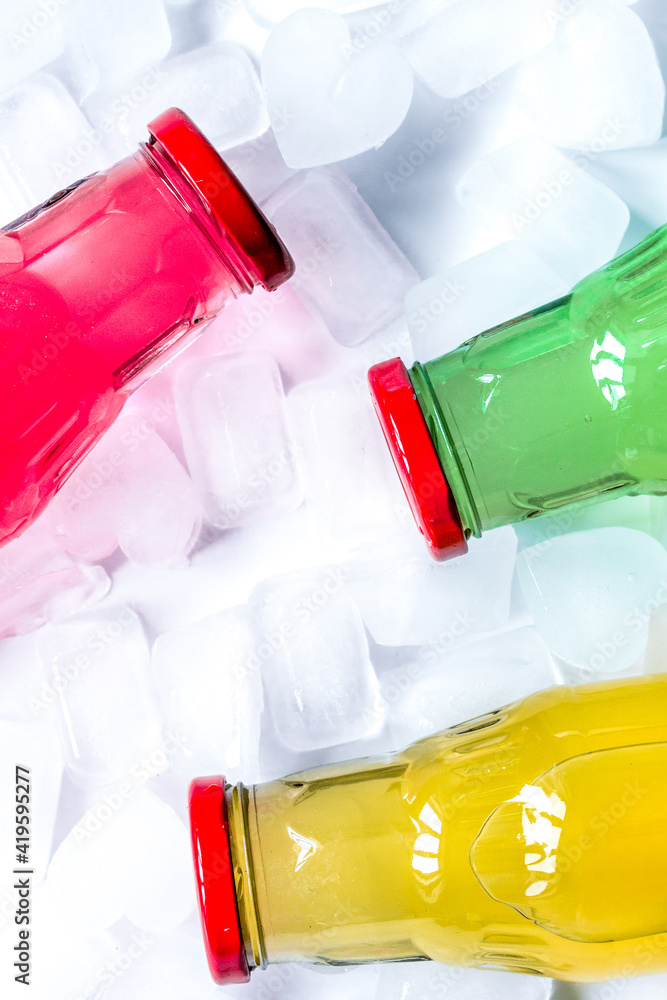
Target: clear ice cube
{"type": "Point", "coordinates": [347, 266]}
{"type": "Point", "coordinates": [237, 442]}
{"type": "Point", "coordinates": [216, 85]}
{"type": "Point", "coordinates": [332, 101]}
{"type": "Point", "coordinates": [211, 695]}
{"type": "Point", "coordinates": [592, 595]}
{"type": "Point", "coordinates": [98, 667]}
{"type": "Point", "coordinates": [528, 190]}
{"type": "Point", "coordinates": [406, 598]}
{"type": "Point", "coordinates": [598, 86]}
{"type": "Point", "coordinates": [311, 645]}
{"type": "Point", "coordinates": [482, 292]}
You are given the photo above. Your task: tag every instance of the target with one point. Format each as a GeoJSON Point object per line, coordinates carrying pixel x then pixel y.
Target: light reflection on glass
{"type": "Point", "coordinates": [608, 359]}
{"type": "Point", "coordinates": [307, 847]}
{"type": "Point", "coordinates": [541, 824]}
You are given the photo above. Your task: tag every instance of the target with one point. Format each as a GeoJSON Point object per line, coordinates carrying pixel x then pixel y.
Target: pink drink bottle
{"type": "Point", "coordinates": [98, 288]}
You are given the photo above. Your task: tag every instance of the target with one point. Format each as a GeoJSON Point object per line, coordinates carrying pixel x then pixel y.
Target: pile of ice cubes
{"type": "Point", "coordinates": [232, 581]}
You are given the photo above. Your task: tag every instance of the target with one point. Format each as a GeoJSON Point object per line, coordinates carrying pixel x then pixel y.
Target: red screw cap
{"type": "Point", "coordinates": [416, 459]}
{"type": "Point", "coordinates": [254, 238]}
{"type": "Point", "coordinates": [215, 881]}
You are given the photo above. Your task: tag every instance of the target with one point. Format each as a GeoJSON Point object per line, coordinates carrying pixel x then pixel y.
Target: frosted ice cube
{"type": "Point", "coordinates": [276, 322]}
{"type": "Point", "coordinates": [33, 746]}
{"type": "Point", "coordinates": [478, 294]}
{"type": "Point", "coordinates": [347, 266]}
{"type": "Point", "coordinates": [47, 143]}
{"type": "Point", "coordinates": [331, 100]}
{"type": "Point", "coordinates": [128, 855]}
{"type": "Point", "coordinates": [528, 190]}
{"type": "Point", "coordinates": [115, 41]}
{"type": "Point", "coordinates": [592, 594]}
{"type": "Point", "coordinates": [406, 598]}
{"type": "Point", "coordinates": [130, 491]}
{"type": "Point", "coordinates": [625, 512]}
{"type": "Point", "coordinates": [39, 582]}
{"type": "Point", "coordinates": [466, 44]}
{"type": "Point", "coordinates": [352, 490]}
{"type": "Point", "coordinates": [433, 981]}
{"type": "Point", "coordinates": [211, 692]}
{"type": "Point", "coordinates": [31, 35]}
{"type": "Point", "coordinates": [598, 86]}
{"type": "Point", "coordinates": [169, 966]}
{"type": "Point", "coordinates": [445, 685]}
{"type": "Point", "coordinates": [216, 85]}
{"type": "Point", "coordinates": [637, 175]}
{"type": "Point", "coordinates": [98, 667]}
{"type": "Point", "coordinates": [237, 443]}
{"type": "Point", "coordinates": [310, 641]}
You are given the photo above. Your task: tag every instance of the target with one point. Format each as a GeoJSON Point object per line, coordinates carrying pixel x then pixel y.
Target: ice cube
{"type": "Point", "coordinates": [211, 694]}
{"type": "Point", "coordinates": [445, 685]}
{"type": "Point", "coordinates": [347, 266]}
{"type": "Point", "coordinates": [332, 101]}
{"type": "Point", "coordinates": [352, 490]}
{"type": "Point", "coordinates": [130, 491]}
{"type": "Point", "coordinates": [406, 598]}
{"type": "Point", "coordinates": [115, 41]}
{"type": "Point", "coordinates": [639, 512]}
{"type": "Point", "coordinates": [276, 322]}
{"type": "Point", "coordinates": [312, 648]}
{"type": "Point", "coordinates": [598, 86]}
{"type": "Point", "coordinates": [528, 190]}
{"type": "Point", "coordinates": [98, 667]}
{"type": "Point", "coordinates": [466, 44]}
{"type": "Point", "coordinates": [592, 594]}
{"type": "Point", "coordinates": [30, 777]}
{"type": "Point", "coordinates": [216, 85]}
{"type": "Point", "coordinates": [478, 294]}
{"type": "Point", "coordinates": [128, 855]}
{"type": "Point", "coordinates": [39, 582]}
{"type": "Point", "coordinates": [47, 143]}
{"type": "Point", "coordinates": [433, 981]}
{"type": "Point", "coordinates": [236, 439]}
{"type": "Point", "coordinates": [31, 35]}
{"type": "Point", "coordinates": [637, 175]}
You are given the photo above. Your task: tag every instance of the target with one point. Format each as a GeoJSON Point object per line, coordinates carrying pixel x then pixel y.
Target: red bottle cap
{"type": "Point", "coordinates": [214, 875]}
{"type": "Point", "coordinates": [254, 238]}
{"type": "Point", "coordinates": [416, 459]}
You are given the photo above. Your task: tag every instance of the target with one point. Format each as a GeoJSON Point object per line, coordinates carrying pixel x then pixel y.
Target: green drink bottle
{"type": "Point", "coordinates": [561, 407]}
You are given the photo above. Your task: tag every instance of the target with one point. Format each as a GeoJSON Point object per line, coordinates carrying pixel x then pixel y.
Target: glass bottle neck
{"type": "Point", "coordinates": [200, 214]}
{"type": "Point", "coordinates": [238, 808]}
{"type": "Point", "coordinates": [451, 451]}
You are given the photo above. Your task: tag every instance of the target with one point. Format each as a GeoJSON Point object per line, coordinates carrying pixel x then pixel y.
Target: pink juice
{"type": "Point", "coordinates": [99, 286]}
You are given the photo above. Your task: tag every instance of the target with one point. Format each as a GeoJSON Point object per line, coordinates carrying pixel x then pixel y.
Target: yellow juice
{"type": "Point", "coordinates": [532, 839]}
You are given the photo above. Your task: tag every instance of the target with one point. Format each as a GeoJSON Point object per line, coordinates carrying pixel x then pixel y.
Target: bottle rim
{"type": "Point", "coordinates": [244, 225]}
{"type": "Point", "coordinates": [416, 459]}
{"type": "Point", "coordinates": [214, 877]}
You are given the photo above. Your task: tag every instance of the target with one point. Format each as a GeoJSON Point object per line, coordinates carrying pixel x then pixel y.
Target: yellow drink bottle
{"type": "Point", "coordinates": [532, 839]}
